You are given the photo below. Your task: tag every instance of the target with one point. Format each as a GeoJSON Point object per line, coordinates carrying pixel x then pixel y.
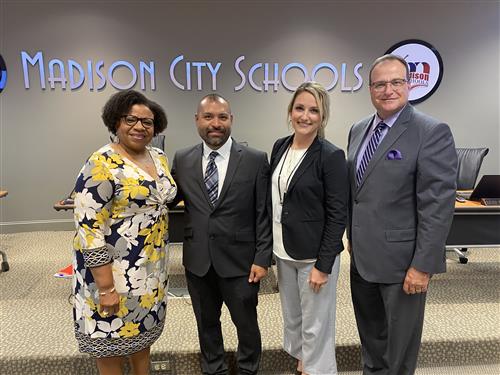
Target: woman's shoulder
{"type": "Point", "coordinates": [104, 151]}
{"type": "Point", "coordinates": [106, 157]}
{"type": "Point", "coordinates": [280, 142]}
{"type": "Point", "coordinates": [156, 150]}
{"type": "Point", "coordinates": [157, 153]}
{"type": "Point", "coordinates": [328, 146]}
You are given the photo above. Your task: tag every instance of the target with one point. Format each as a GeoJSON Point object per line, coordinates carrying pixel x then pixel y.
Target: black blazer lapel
{"type": "Point", "coordinates": [195, 166]}
{"type": "Point", "coordinates": [234, 160]}
{"type": "Point", "coordinates": [275, 158]}
{"type": "Point", "coordinates": [311, 152]}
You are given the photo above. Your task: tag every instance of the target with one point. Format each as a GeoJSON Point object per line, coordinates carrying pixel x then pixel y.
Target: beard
{"type": "Point", "coordinates": [215, 142]}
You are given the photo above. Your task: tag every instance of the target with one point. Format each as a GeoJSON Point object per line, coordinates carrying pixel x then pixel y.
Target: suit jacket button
{"type": "Point", "coordinates": [285, 213]}
{"type": "Point", "coordinates": [356, 201]}
{"type": "Point", "coordinates": [211, 236]}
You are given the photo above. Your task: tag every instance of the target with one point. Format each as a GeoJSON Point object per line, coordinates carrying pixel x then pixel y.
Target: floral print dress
{"type": "Point", "coordinates": [121, 218]}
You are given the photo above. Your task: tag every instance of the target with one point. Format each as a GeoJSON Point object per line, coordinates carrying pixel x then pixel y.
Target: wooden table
{"type": "Point", "coordinates": [474, 225]}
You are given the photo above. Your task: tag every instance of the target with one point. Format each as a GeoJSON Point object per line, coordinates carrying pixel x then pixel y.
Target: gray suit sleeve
{"type": "Point", "coordinates": [435, 197]}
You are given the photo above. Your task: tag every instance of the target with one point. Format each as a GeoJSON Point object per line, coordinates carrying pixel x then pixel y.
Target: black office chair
{"type": "Point", "coordinates": [469, 164]}
{"type": "Point", "coordinates": [158, 141]}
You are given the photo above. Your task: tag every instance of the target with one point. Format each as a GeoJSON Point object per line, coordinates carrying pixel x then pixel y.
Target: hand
{"type": "Point", "coordinates": [256, 273]}
{"type": "Point", "coordinates": [317, 279]}
{"type": "Point", "coordinates": [416, 281]}
{"type": "Point", "coordinates": [109, 304]}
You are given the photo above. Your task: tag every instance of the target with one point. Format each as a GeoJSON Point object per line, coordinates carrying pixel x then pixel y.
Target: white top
{"type": "Point", "coordinates": [291, 160]}
{"type": "Point", "coordinates": [221, 161]}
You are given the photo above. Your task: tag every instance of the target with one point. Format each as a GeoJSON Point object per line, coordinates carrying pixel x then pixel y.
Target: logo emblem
{"type": "Point", "coordinates": [3, 74]}
{"type": "Point", "coordinates": [425, 65]}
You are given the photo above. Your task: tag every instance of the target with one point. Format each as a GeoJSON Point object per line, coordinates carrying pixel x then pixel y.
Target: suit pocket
{"type": "Point", "coordinates": [244, 236]}
{"type": "Point", "coordinates": [188, 232]}
{"type": "Point", "coordinates": [400, 235]}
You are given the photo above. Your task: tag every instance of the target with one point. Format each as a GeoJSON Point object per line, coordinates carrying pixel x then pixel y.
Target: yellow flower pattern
{"type": "Point", "coordinates": [119, 208]}
{"type": "Point", "coordinates": [122, 218]}
{"type": "Point", "coordinates": [129, 330]}
{"type": "Point", "coordinates": [123, 310]}
{"type": "Point", "coordinates": [101, 218]}
{"type": "Point", "coordinates": [101, 169]}
{"type": "Point", "coordinates": [148, 300]}
{"type": "Point", "coordinates": [161, 294]}
{"type": "Point", "coordinates": [133, 189]}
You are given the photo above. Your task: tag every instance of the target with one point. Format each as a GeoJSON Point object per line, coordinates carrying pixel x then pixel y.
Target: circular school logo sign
{"type": "Point", "coordinates": [3, 74]}
{"type": "Point", "coordinates": [425, 65]}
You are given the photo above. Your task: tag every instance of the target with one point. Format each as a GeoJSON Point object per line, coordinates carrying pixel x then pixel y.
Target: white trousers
{"type": "Point", "coordinates": [308, 317]}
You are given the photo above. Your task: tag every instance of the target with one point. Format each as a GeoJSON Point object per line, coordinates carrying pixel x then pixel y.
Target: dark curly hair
{"type": "Point", "coordinates": [120, 103]}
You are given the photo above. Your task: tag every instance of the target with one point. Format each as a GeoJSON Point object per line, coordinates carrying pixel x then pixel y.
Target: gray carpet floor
{"type": "Point", "coordinates": [493, 369]}
{"type": "Point", "coordinates": [462, 324]}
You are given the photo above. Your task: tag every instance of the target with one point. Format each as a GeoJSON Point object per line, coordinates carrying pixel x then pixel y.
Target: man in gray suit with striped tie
{"type": "Point", "coordinates": [227, 236]}
{"type": "Point", "coordinates": [402, 169]}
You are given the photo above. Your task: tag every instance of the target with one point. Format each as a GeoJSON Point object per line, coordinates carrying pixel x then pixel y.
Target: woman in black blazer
{"type": "Point", "coordinates": [309, 190]}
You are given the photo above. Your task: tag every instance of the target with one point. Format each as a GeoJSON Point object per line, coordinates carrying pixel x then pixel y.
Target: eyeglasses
{"type": "Point", "coordinates": [396, 84]}
{"type": "Point", "coordinates": [131, 120]}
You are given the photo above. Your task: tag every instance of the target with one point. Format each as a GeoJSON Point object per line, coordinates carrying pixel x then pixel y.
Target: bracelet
{"type": "Point", "coordinates": [108, 292]}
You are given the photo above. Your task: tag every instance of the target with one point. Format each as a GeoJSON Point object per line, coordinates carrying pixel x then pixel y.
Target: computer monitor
{"type": "Point", "coordinates": [488, 187]}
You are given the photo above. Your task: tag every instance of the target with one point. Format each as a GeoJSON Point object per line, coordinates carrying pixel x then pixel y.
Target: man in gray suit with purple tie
{"type": "Point", "coordinates": [227, 236]}
{"type": "Point", "coordinates": [402, 169]}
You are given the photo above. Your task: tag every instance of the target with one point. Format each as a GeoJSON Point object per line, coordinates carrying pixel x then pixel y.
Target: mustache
{"type": "Point", "coordinates": [218, 129]}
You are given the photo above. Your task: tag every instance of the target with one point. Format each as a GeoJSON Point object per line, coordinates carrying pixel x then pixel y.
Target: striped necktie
{"type": "Point", "coordinates": [369, 151]}
{"type": "Point", "coordinates": [212, 178]}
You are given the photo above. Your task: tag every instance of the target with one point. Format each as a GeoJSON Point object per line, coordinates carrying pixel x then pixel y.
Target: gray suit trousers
{"type": "Point", "coordinates": [390, 325]}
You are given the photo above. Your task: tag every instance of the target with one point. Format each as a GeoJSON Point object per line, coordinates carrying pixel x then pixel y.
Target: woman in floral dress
{"type": "Point", "coordinates": [120, 262]}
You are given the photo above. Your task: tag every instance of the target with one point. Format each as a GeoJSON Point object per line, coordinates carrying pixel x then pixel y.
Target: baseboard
{"type": "Point", "coordinates": [36, 225]}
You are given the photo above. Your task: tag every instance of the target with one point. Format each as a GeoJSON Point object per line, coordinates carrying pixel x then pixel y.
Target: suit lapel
{"type": "Point", "coordinates": [355, 146]}
{"type": "Point", "coordinates": [234, 161]}
{"type": "Point", "coordinates": [195, 167]}
{"type": "Point", "coordinates": [311, 152]}
{"type": "Point", "coordinates": [394, 133]}
{"type": "Point", "coordinates": [279, 154]}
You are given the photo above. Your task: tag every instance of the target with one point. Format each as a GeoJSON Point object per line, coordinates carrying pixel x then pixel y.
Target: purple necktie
{"type": "Point", "coordinates": [369, 151]}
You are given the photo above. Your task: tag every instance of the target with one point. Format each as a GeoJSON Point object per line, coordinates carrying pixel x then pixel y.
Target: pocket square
{"type": "Point", "coordinates": [394, 155]}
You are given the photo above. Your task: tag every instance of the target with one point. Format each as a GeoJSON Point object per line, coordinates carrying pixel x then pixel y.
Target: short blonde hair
{"type": "Point", "coordinates": [322, 99]}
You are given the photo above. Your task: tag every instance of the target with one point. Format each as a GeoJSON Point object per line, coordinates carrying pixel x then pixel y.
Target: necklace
{"type": "Point", "coordinates": [289, 171]}
{"type": "Point", "coordinates": [145, 162]}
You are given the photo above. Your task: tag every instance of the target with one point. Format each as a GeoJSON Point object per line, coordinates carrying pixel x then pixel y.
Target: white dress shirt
{"type": "Point", "coordinates": [221, 161]}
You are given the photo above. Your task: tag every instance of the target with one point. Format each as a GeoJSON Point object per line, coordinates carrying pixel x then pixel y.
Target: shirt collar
{"type": "Point", "coordinates": [389, 121]}
{"type": "Point", "coordinates": [223, 151]}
